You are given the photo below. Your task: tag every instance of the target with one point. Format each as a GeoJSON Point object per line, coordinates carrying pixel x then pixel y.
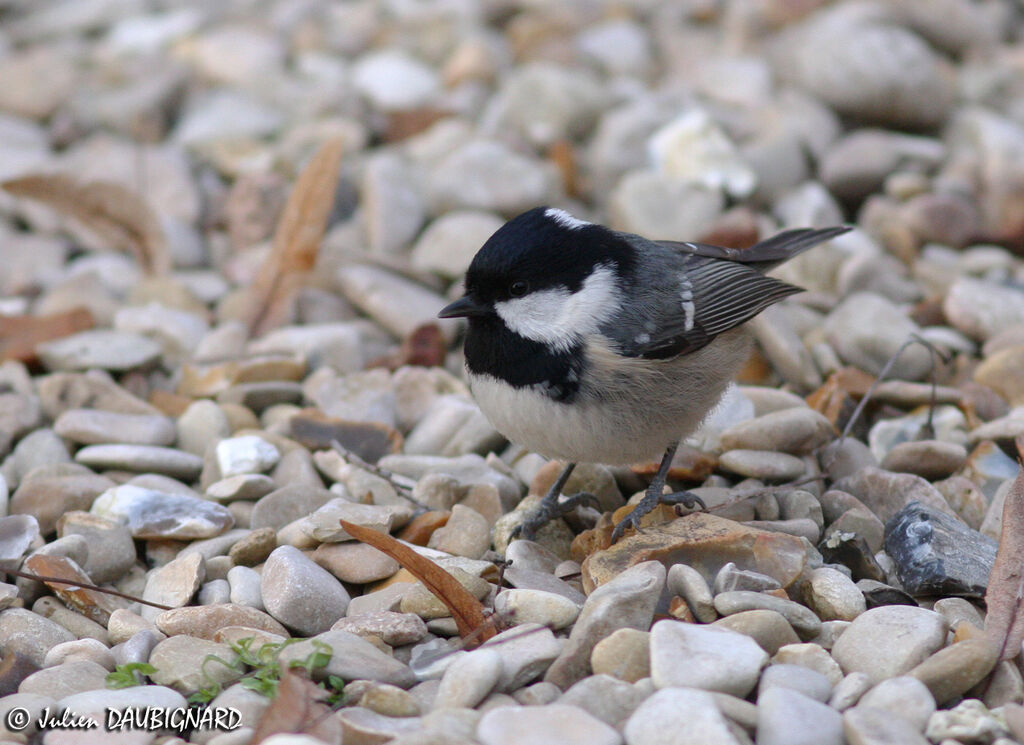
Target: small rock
{"type": "Point", "coordinates": [469, 679]}
{"type": "Point", "coordinates": [353, 658]}
{"type": "Point", "coordinates": [154, 514]}
{"type": "Point", "coordinates": [730, 579]}
{"type": "Point", "coordinates": [66, 679]}
{"type": "Point", "coordinates": [204, 621]}
{"type": "Point", "coordinates": [936, 554]}
{"type": "Point", "coordinates": [890, 640]}
{"type": "Point", "coordinates": [798, 678]}
{"type": "Point", "coordinates": [704, 657]}
{"type": "Point", "coordinates": [953, 671]}
{"type": "Point", "coordinates": [968, 721]}
{"type": "Point", "coordinates": [180, 663]}
{"type": "Point", "coordinates": [680, 716]}
{"type": "Point", "coordinates": [536, 606]}
{"type": "Point", "coordinates": [929, 459]}
{"type": "Point", "coordinates": [94, 426]}
{"type": "Point", "coordinates": [554, 724]}
{"type": "Point", "coordinates": [800, 618]}
{"type": "Point", "coordinates": [394, 629]}
{"type": "Point", "coordinates": [796, 431]}
{"type": "Point", "coordinates": [762, 464]}
{"type": "Point", "coordinates": [244, 455]}
{"type": "Point", "coordinates": [104, 349]}
{"type": "Point", "coordinates": [526, 651]}
{"type": "Point", "coordinates": [174, 584]}
{"type": "Point", "coordinates": [301, 594]}
{"type": "Point", "coordinates": [689, 584]}
{"type": "Point", "coordinates": [833, 595]}
{"type": "Point", "coordinates": [787, 717]}
{"type": "Point", "coordinates": [142, 459]}
{"type": "Point", "coordinates": [768, 628]}
{"type": "Point", "coordinates": [627, 601]}
{"type": "Point", "coordinates": [356, 563]}
{"type": "Point", "coordinates": [903, 696]}
{"type": "Point", "coordinates": [864, 725]}
{"type": "Point", "coordinates": [466, 533]}
{"type": "Point", "coordinates": [625, 655]}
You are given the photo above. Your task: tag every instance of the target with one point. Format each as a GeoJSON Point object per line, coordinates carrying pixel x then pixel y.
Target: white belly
{"type": "Point", "coordinates": [644, 407]}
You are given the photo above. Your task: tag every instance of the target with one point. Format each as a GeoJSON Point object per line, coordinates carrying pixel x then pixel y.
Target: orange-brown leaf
{"type": "Point", "coordinates": [116, 214]}
{"type": "Point", "coordinates": [1004, 622]}
{"type": "Point", "coordinates": [296, 240]}
{"type": "Point", "coordinates": [298, 709]}
{"type": "Point", "coordinates": [19, 335]}
{"type": "Point", "coordinates": [474, 626]}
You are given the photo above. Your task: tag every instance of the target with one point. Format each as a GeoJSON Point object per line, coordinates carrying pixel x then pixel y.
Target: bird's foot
{"type": "Point", "coordinates": [651, 500]}
{"type": "Point", "coordinates": [550, 509]}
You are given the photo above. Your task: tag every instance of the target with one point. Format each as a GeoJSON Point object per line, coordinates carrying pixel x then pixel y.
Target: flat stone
{"type": "Point", "coordinates": [154, 514]}
{"type": "Point", "coordinates": [66, 679]}
{"type": "Point", "coordinates": [95, 390]}
{"type": "Point", "coordinates": [142, 459]}
{"type": "Point", "coordinates": [833, 595]}
{"type": "Point", "coordinates": [254, 548]}
{"type": "Point", "coordinates": [30, 634]}
{"type": "Point", "coordinates": [536, 606]}
{"type": "Point", "coordinates": [467, 533]}
{"type": "Point", "coordinates": [798, 678]}
{"type": "Point", "coordinates": [300, 594]}
{"type": "Point", "coordinates": [981, 309]}
{"type": "Point", "coordinates": [243, 588]}
{"type": "Point", "coordinates": [627, 601]}
{"type": "Point", "coordinates": [787, 717]}
{"type": "Point", "coordinates": [848, 691]}
{"type": "Point", "coordinates": [762, 464]}
{"type": "Point", "coordinates": [244, 486]}
{"type": "Point", "coordinates": [731, 578]}
{"type": "Point", "coordinates": [394, 629]}
{"type": "Point", "coordinates": [353, 658]}
{"type": "Point", "coordinates": [102, 349]}
{"type": "Point", "coordinates": [865, 725]}
{"type": "Point", "coordinates": [679, 716]}
{"type": "Point", "coordinates": [174, 584]}
{"type": "Point", "coordinates": [803, 621]}
{"type": "Point", "coordinates": [95, 426]}
{"type": "Point", "coordinates": [953, 671]}
{"type": "Point", "coordinates": [796, 431]}
{"type": "Point", "coordinates": [812, 656]}
{"type": "Point", "coordinates": [554, 724]}
{"type": "Point", "coordinates": [705, 542]}
{"type": "Point", "coordinates": [890, 640]}
{"type": "Point", "coordinates": [885, 493]}
{"type": "Point", "coordinates": [705, 657]}
{"type": "Point", "coordinates": [469, 679]}
{"type": "Point", "coordinates": [929, 459]}
{"type": "Point", "coordinates": [353, 562]}
{"type": "Point", "coordinates": [905, 697]}
{"type": "Point", "coordinates": [936, 554]}
{"type": "Point", "coordinates": [112, 551]}
{"type": "Point", "coordinates": [768, 628]}
{"type": "Point", "coordinates": [200, 425]}
{"type": "Point", "coordinates": [244, 455]}
{"type": "Point", "coordinates": [625, 654]}
{"type": "Point", "coordinates": [287, 504]}
{"type": "Point", "coordinates": [180, 663]}
{"type": "Point", "coordinates": [203, 621]}
{"type": "Point", "coordinates": [526, 651]}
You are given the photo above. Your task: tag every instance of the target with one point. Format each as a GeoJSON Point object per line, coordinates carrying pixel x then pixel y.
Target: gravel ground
{"type": "Point", "coordinates": [833, 592]}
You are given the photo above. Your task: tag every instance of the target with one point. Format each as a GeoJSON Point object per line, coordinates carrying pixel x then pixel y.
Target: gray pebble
{"type": "Point", "coordinates": [705, 657]}
{"type": "Point", "coordinates": [552, 723]}
{"type": "Point", "coordinates": [787, 717]}
{"type": "Point", "coordinates": [300, 594]}
{"type": "Point", "coordinates": [142, 459]}
{"type": "Point", "coordinates": [678, 716]}
{"type": "Point", "coordinates": [889, 640]}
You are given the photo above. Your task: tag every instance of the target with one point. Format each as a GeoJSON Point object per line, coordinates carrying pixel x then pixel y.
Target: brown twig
{"type": "Point", "coordinates": [85, 586]}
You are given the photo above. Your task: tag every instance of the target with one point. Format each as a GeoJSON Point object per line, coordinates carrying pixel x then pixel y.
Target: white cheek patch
{"type": "Point", "coordinates": [560, 318]}
{"type": "Point", "coordinates": [564, 219]}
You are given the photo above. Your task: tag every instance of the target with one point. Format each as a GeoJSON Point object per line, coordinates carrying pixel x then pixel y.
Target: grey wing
{"type": "Point", "coordinates": [767, 253]}
{"type": "Point", "coordinates": [683, 309]}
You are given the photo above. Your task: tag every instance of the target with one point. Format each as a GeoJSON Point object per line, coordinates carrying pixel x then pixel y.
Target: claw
{"type": "Point", "coordinates": [648, 503]}
{"type": "Point", "coordinates": [548, 511]}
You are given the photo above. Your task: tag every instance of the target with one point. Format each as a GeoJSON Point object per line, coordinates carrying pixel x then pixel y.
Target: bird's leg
{"type": "Point", "coordinates": [551, 507]}
{"type": "Point", "coordinates": [654, 497]}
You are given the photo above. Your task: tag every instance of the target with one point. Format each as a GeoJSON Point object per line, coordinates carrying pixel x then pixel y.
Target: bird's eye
{"type": "Point", "coordinates": [518, 288]}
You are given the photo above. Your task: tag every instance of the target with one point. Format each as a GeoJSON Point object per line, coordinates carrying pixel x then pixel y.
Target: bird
{"type": "Point", "coordinates": [588, 344]}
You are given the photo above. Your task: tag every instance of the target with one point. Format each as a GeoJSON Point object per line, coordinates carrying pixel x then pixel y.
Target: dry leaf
{"type": "Point", "coordinates": [296, 240]}
{"type": "Point", "coordinates": [19, 335]}
{"type": "Point", "coordinates": [425, 346]}
{"type": "Point", "coordinates": [474, 626]}
{"type": "Point", "coordinates": [298, 709]}
{"type": "Point", "coordinates": [116, 214]}
{"type": "Point", "coordinates": [1004, 622]}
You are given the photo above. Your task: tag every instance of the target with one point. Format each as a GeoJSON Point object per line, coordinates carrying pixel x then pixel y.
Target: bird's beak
{"type": "Point", "coordinates": [463, 307]}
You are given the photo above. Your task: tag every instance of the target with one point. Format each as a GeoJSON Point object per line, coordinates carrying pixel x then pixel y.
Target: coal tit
{"type": "Point", "coordinates": [589, 344]}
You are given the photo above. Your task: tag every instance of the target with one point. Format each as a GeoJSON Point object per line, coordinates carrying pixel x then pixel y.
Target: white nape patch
{"type": "Point", "coordinates": [560, 318]}
{"type": "Point", "coordinates": [686, 296]}
{"type": "Point", "coordinates": [564, 219]}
